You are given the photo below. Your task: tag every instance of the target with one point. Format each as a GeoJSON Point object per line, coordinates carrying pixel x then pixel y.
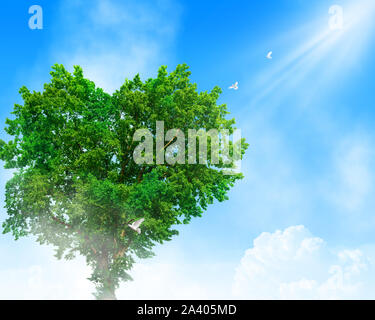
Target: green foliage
{"type": "Point", "coordinates": [76, 186]}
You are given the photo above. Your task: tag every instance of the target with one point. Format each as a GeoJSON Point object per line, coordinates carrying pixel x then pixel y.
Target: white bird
{"type": "Point", "coordinates": [234, 86]}
{"type": "Point", "coordinates": [269, 55]}
{"type": "Point", "coordinates": [135, 225]}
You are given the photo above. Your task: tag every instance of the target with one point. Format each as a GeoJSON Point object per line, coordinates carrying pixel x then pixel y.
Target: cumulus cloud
{"type": "Point", "coordinates": [288, 264]}
{"type": "Point", "coordinates": [293, 264]}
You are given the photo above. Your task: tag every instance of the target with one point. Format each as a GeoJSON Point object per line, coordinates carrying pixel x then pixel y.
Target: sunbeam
{"type": "Point", "coordinates": [327, 53]}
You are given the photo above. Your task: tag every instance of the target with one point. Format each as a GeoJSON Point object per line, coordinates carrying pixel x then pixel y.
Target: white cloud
{"type": "Point", "coordinates": [49, 280]}
{"type": "Point", "coordinates": [115, 40]}
{"type": "Point", "coordinates": [169, 280]}
{"type": "Point", "coordinates": [293, 264]}
{"type": "Point", "coordinates": [289, 264]}
{"type": "Point", "coordinates": [44, 277]}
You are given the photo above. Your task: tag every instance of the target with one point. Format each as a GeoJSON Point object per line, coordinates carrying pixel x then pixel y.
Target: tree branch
{"type": "Point", "coordinates": [63, 223]}
{"type": "Point", "coordinates": [124, 163]}
{"type": "Point", "coordinates": [170, 142]}
{"type": "Point", "coordinates": [69, 226]}
{"type": "Point", "coordinates": [140, 174]}
{"type": "Point", "coordinates": [122, 251]}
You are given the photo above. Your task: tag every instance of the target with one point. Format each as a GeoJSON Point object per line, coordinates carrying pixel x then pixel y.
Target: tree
{"type": "Point", "coordinates": [76, 186]}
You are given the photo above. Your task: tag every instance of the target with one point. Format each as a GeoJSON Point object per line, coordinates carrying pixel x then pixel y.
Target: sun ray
{"type": "Point", "coordinates": [329, 51]}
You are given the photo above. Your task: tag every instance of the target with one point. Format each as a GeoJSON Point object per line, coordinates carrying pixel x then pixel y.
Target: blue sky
{"type": "Point", "coordinates": [307, 196]}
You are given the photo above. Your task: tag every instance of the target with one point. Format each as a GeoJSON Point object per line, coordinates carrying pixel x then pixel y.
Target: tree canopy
{"type": "Point", "coordinates": [76, 186]}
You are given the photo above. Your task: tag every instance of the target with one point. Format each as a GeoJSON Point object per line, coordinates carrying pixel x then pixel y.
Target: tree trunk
{"type": "Point", "coordinates": [108, 294]}
{"type": "Point", "coordinates": [107, 289]}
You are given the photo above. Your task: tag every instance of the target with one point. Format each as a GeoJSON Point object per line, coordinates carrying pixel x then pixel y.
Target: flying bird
{"type": "Point", "coordinates": [135, 225]}
{"type": "Point", "coordinates": [269, 55]}
{"type": "Point", "coordinates": [234, 86]}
